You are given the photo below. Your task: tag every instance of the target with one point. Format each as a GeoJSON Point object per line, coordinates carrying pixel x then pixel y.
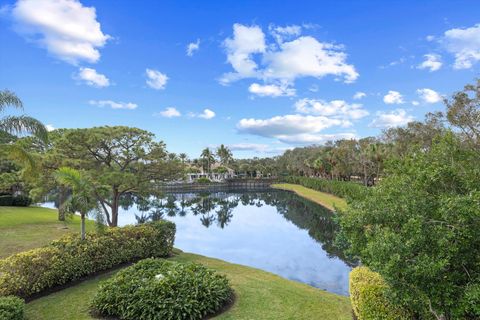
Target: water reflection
{"type": "Point", "coordinates": [276, 231]}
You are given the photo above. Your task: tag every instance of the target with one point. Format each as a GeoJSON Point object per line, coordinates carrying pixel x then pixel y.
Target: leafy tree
{"type": "Point", "coordinates": [464, 113]}
{"type": "Point", "coordinates": [83, 196]}
{"type": "Point", "coordinates": [419, 229]}
{"type": "Point", "coordinates": [118, 161]}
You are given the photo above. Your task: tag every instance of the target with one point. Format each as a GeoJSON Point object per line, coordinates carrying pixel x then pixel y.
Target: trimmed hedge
{"type": "Point", "coordinates": [158, 289]}
{"type": "Point", "coordinates": [12, 308]}
{"type": "Point", "coordinates": [342, 189]}
{"type": "Point", "coordinates": [368, 297]}
{"type": "Point", "coordinates": [70, 258]}
{"type": "Point", "coordinates": [15, 201]}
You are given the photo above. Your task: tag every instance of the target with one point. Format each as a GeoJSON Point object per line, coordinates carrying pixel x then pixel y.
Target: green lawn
{"type": "Point", "coordinates": [23, 228]}
{"type": "Point", "coordinates": [325, 199]}
{"type": "Point", "coordinates": [259, 294]}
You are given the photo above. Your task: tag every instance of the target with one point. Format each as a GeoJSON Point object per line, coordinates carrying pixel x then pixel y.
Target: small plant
{"type": "Point", "coordinates": [12, 308]}
{"type": "Point", "coordinates": [203, 180]}
{"type": "Point", "coordinates": [159, 289]}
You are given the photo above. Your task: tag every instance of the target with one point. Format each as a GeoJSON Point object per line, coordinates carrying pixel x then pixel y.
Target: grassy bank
{"type": "Point", "coordinates": [259, 294]}
{"type": "Point", "coordinates": [325, 199]}
{"type": "Point", "coordinates": [24, 228]}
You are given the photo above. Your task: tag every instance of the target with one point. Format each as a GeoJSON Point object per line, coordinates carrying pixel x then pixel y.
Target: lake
{"type": "Point", "coordinates": [272, 230]}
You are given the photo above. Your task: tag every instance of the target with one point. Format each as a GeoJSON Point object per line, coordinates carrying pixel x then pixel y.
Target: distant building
{"type": "Point", "coordinates": [218, 173]}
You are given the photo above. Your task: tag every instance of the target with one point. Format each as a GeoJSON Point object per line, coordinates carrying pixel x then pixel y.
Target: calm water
{"type": "Point", "coordinates": [276, 231]}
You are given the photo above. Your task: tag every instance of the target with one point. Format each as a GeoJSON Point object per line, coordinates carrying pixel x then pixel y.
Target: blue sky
{"type": "Point", "coordinates": [260, 77]}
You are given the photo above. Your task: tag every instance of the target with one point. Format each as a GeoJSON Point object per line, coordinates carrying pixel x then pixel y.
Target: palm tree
{"type": "Point", "coordinates": [207, 158]}
{"type": "Point", "coordinates": [225, 155]}
{"type": "Point", "coordinates": [82, 198]}
{"type": "Point", "coordinates": [183, 157]}
{"type": "Point", "coordinates": [17, 125]}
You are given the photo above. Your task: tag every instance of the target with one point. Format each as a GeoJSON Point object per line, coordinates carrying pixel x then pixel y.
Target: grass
{"type": "Point", "coordinates": [259, 294]}
{"type": "Point", "coordinates": [325, 199]}
{"type": "Point", "coordinates": [24, 228]}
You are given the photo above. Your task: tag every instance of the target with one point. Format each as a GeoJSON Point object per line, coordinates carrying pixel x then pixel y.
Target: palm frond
{"type": "Point", "coordinates": [8, 98]}
{"type": "Point", "coordinates": [70, 177]}
{"type": "Point", "coordinates": [17, 153]}
{"type": "Point", "coordinates": [24, 124]}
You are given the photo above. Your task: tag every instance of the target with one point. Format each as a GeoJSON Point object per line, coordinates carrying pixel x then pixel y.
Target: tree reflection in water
{"type": "Point", "coordinates": [217, 207]}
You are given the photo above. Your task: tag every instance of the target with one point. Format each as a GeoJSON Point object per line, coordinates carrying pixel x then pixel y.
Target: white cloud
{"type": "Point", "coordinates": [271, 90]}
{"type": "Point", "coordinates": [430, 38]}
{"type": "Point", "coordinates": [192, 47]}
{"type": "Point", "coordinates": [391, 119]}
{"type": "Point", "coordinates": [258, 147]}
{"type": "Point", "coordinates": [291, 128]}
{"type": "Point", "coordinates": [307, 57]}
{"type": "Point", "coordinates": [113, 104]}
{"type": "Point", "coordinates": [169, 112]}
{"type": "Point", "coordinates": [432, 62]}
{"type": "Point", "coordinates": [282, 33]}
{"type": "Point", "coordinates": [245, 42]}
{"type": "Point", "coordinates": [415, 103]}
{"type": "Point", "coordinates": [307, 138]}
{"type": "Point", "coordinates": [66, 28]}
{"type": "Point", "coordinates": [429, 95]}
{"type": "Point", "coordinates": [92, 78]}
{"type": "Point", "coordinates": [393, 97]}
{"type": "Point", "coordinates": [206, 114]}
{"type": "Point", "coordinates": [155, 79]}
{"type": "Point", "coordinates": [50, 127]}
{"type": "Point", "coordinates": [464, 44]}
{"type": "Point", "coordinates": [286, 61]}
{"type": "Point", "coordinates": [335, 108]}
{"type": "Point", "coordinates": [359, 95]}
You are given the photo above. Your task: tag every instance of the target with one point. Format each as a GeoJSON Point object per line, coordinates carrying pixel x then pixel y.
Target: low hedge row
{"type": "Point", "coordinates": [12, 308]}
{"type": "Point", "coordinates": [70, 258]}
{"type": "Point", "coordinates": [15, 201]}
{"type": "Point", "coordinates": [342, 189]}
{"type": "Point", "coordinates": [368, 297]}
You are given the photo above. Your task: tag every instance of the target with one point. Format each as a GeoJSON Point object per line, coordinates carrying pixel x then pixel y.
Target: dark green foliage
{"type": "Point", "coordinates": [15, 201]}
{"type": "Point", "coordinates": [203, 180]}
{"type": "Point", "coordinates": [420, 230]}
{"type": "Point", "coordinates": [342, 189]}
{"type": "Point", "coordinates": [70, 258]}
{"type": "Point", "coordinates": [159, 289]}
{"type": "Point", "coordinates": [11, 308]}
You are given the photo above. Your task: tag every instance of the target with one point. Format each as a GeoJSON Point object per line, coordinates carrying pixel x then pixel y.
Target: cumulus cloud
{"type": "Point", "coordinates": [206, 114]}
{"type": "Point", "coordinates": [65, 28]}
{"type": "Point", "coordinates": [271, 90]}
{"type": "Point", "coordinates": [335, 108]}
{"type": "Point", "coordinates": [292, 128]}
{"type": "Point", "coordinates": [170, 112]}
{"type": "Point", "coordinates": [286, 32]}
{"type": "Point", "coordinates": [464, 44]}
{"type": "Point", "coordinates": [245, 42]}
{"type": "Point", "coordinates": [192, 47]}
{"type": "Point", "coordinates": [429, 95]}
{"type": "Point", "coordinates": [283, 61]}
{"type": "Point", "coordinates": [391, 119]}
{"type": "Point", "coordinates": [393, 97]}
{"type": "Point", "coordinates": [432, 62]}
{"type": "Point", "coordinates": [155, 79]}
{"type": "Point", "coordinates": [92, 78]}
{"type": "Point", "coordinates": [307, 138]}
{"type": "Point", "coordinates": [50, 127]}
{"type": "Point", "coordinates": [113, 104]}
{"type": "Point", "coordinates": [359, 95]}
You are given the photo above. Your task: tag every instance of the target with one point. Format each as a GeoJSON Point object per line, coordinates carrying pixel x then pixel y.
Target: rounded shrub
{"type": "Point", "coordinates": [368, 295]}
{"type": "Point", "coordinates": [159, 289]}
{"type": "Point", "coordinates": [12, 308]}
